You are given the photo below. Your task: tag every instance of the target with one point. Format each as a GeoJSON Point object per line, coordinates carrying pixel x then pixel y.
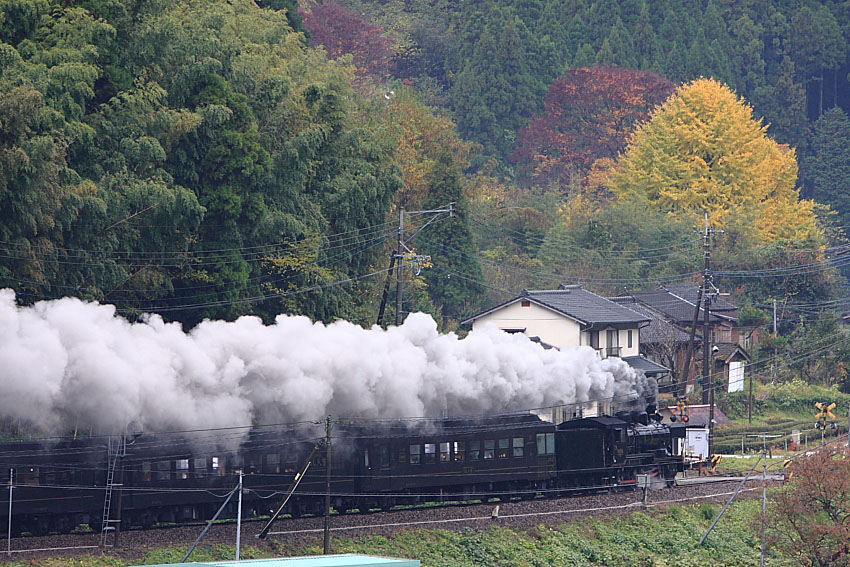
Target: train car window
{"type": "Point", "coordinates": [414, 454]}
{"type": "Point", "coordinates": [182, 466]}
{"type": "Point", "coordinates": [444, 452]}
{"type": "Point", "coordinates": [384, 457]}
{"type": "Point", "coordinates": [163, 470]}
{"type": "Point", "coordinates": [489, 448]}
{"type": "Point", "coordinates": [200, 467]}
{"type": "Point", "coordinates": [620, 434]}
{"type": "Point", "coordinates": [28, 475]}
{"type": "Point", "coordinates": [402, 455]}
{"type": "Point", "coordinates": [49, 476]}
{"type": "Point", "coordinates": [504, 448]}
{"type": "Point", "coordinates": [272, 463]}
{"type": "Point", "coordinates": [252, 465]}
{"type": "Point", "coordinates": [545, 443]}
{"type": "Point", "coordinates": [219, 466]}
{"type": "Point", "coordinates": [519, 446]}
{"type": "Point", "coordinates": [474, 450]}
{"type": "Point", "coordinates": [146, 471]}
{"type": "Point", "coordinates": [460, 453]}
{"type": "Point", "coordinates": [430, 453]}
{"type": "Point", "coordinates": [366, 458]}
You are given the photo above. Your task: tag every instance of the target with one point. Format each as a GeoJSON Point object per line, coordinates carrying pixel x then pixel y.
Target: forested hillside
{"type": "Point", "coordinates": [213, 158]}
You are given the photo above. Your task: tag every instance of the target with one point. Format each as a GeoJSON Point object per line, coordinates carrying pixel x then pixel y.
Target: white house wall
{"type": "Point", "coordinates": [551, 327]}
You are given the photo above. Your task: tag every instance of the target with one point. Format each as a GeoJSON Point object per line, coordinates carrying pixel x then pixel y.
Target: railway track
{"type": "Point", "coordinates": [304, 531]}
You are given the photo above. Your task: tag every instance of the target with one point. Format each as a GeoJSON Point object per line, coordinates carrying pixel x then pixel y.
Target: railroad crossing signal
{"type": "Point", "coordinates": [824, 414]}
{"type": "Point", "coordinates": [682, 410]}
{"type": "Point", "coordinates": [825, 411]}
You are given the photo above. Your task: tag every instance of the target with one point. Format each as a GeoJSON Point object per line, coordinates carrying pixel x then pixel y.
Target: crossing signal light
{"type": "Point", "coordinates": [685, 419]}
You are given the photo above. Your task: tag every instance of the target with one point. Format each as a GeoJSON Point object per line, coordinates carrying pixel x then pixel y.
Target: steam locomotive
{"type": "Point", "coordinates": [142, 480]}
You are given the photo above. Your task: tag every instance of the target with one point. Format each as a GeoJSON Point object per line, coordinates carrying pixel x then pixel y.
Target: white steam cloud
{"type": "Point", "coordinates": [66, 362]}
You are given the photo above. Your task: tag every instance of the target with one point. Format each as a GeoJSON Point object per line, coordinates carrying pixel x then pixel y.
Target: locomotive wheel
{"type": "Point", "coordinates": [63, 524]}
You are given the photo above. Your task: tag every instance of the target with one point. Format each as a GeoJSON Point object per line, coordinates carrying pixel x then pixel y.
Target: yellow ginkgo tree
{"type": "Point", "coordinates": [703, 152]}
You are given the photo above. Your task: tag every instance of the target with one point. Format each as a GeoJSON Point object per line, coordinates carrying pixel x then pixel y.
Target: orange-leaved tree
{"type": "Point", "coordinates": [810, 516]}
{"type": "Point", "coordinates": [703, 152]}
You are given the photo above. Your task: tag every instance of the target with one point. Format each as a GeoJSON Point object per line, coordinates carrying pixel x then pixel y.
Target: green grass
{"type": "Point", "coordinates": [658, 538]}
{"type": "Point", "coordinates": [777, 410]}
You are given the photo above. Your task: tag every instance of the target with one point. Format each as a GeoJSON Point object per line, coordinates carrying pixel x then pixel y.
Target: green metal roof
{"type": "Point", "coordinates": [342, 560]}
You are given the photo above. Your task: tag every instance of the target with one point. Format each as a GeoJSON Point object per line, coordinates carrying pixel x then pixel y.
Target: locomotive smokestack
{"type": "Point", "coordinates": [65, 362]}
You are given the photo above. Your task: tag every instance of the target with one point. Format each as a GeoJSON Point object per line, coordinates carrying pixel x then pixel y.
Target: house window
{"type": "Point", "coordinates": [526, 303]}
{"type": "Point", "coordinates": [594, 339]}
{"type": "Point", "coordinates": [612, 338]}
{"type": "Point", "coordinates": [629, 338]}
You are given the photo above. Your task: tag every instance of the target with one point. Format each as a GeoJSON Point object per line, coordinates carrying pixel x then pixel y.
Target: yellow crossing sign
{"type": "Point", "coordinates": [825, 412]}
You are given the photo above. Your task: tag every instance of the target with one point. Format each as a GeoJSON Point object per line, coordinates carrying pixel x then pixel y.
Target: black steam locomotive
{"type": "Point", "coordinates": [142, 480]}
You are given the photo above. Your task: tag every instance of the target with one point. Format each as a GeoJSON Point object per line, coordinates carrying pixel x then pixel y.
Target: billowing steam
{"type": "Point", "coordinates": [65, 363]}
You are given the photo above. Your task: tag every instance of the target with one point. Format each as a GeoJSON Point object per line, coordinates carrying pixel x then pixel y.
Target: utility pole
{"type": "Point", "coordinates": [707, 360]}
{"type": "Point", "coordinates": [239, 516]}
{"type": "Point", "coordinates": [403, 252]}
{"type": "Point", "coordinates": [327, 535]}
{"type": "Point", "coordinates": [399, 272]}
{"type": "Point", "coordinates": [9, 536]}
{"type": "Point", "coordinates": [773, 360]}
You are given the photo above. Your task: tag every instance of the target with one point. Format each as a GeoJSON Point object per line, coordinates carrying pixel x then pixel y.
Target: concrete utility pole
{"type": "Point", "coordinates": [403, 252]}
{"type": "Point", "coordinates": [399, 274]}
{"type": "Point", "coordinates": [327, 532]}
{"type": "Point", "coordinates": [707, 358]}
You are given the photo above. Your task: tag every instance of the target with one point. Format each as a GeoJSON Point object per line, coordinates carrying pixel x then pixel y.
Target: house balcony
{"type": "Point", "coordinates": [609, 352]}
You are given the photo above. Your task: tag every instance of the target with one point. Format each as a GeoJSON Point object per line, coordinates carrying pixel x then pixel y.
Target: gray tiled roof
{"type": "Point", "coordinates": [677, 303]}
{"type": "Point", "coordinates": [585, 305]}
{"type": "Point", "coordinates": [576, 303]}
{"type": "Point", "coordinates": [658, 330]}
{"type": "Point", "coordinates": [725, 351]}
{"type": "Point", "coordinates": [689, 292]}
{"type": "Point", "coordinates": [648, 367]}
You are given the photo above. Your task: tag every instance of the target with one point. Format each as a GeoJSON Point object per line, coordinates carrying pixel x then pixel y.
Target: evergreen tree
{"type": "Point", "coordinates": [585, 57]}
{"type": "Point", "coordinates": [829, 162]}
{"type": "Point", "coordinates": [454, 280]}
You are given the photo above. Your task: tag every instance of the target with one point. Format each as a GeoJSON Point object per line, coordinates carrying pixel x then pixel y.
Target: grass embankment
{"type": "Point", "coordinates": [777, 410]}
{"type": "Point", "coordinates": [657, 538]}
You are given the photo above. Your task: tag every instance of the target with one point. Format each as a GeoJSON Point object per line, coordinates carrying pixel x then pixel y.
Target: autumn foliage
{"type": "Point", "coordinates": [341, 31]}
{"type": "Point", "coordinates": [811, 514]}
{"type": "Point", "coordinates": [588, 115]}
{"type": "Point", "coordinates": [703, 152]}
